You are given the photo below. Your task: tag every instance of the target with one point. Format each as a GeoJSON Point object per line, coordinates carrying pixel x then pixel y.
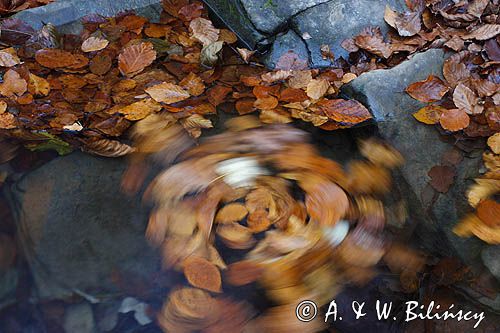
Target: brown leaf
{"type": "Point", "coordinates": [7, 119]}
{"type": "Point", "coordinates": [217, 94]}
{"type": "Point", "coordinates": [455, 43]}
{"type": "Point", "coordinates": [371, 39]}
{"type": "Point", "coordinates": [140, 109]}
{"type": "Point", "coordinates": [55, 58]}
{"type": "Point", "coordinates": [9, 58]}
{"type": "Point", "coordinates": [167, 92]}
{"type": "Point", "coordinates": [245, 106]}
{"type": "Point", "coordinates": [202, 274]}
{"type": "Point", "coordinates": [454, 120]}
{"type": "Point", "coordinates": [300, 79]}
{"type": "Point", "coordinates": [101, 63]}
{"type": "Point", "coordinates": [13, 84]}
{"type": "Point", "coordinates": [477, 7]}
{"type": "Point", "coordinates": [245, 54]}
{"type": "Point", "coordinates": [258, 221]}
{"type": "Point", "coordinates": [484, 32]}
{"type": "Point", "coordinates": [494, 143]}
{"type": "Point", "coordinates": [407, 24]}
{"type": "Point", "coordinates": [317, 88]}
{"type": "Point", "coordinates": [455, 71]}
{"type": "Point", "coordinates": [442, 177]}
{"type": "Point", "coordinates": [233, 212]}
{"type": "Point", "coordinates": [430, 90]}
{"type": "Point", "coordinates": [488, 211]}
{"type": "Point", "coordinates": [108, 148]}
{"type": "Point", "coordinates": [134, 58]}
{"type": "Point", "coordinates": [92, 44]}
{"type": "Point", "coordinates": [38, 85]}
{"type": "Point", "coordinates": [193, 84]}
{"type": "Point", "coordinates": [464, 98]}
{"type": "Point", "coordinates": [266, 103]}
{"type": "Point", "coordinates": [204, 31]}
{"type": "Point", "coordinates": [348, 112]}
{"type": "Point", "coordinates": [275, 76]}
{"type": "Point", "coordinates": [429, 114]}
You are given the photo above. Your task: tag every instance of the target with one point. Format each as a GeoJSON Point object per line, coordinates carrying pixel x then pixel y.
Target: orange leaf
{"type": "Point", "coordinates": [134, 58]}
{"type": "Point", "coordinates": [193, 84]}
{"type": "Point", "coordinates": [489, 212]}
{"type": "Point", "coordinates": [243, 272]}
{"type": "Point", "coordinates": [55, 58]}
{"type": "Point", "coordinates": [454, 120]}
{"type": "Point", "coordinates": [464, 98]}
{"type": "Point", "coordinates": [345, 111]}
{"type": "Point", "coordinates": [431, 89]}
{"type": "Point", "coordinates": [201, 273]}
{"type": "Point", "coordinates": [245, 105]}
{"type": "Point", "coordinates": [7, 119]}
{"type": "Point", "coordinates": [233, 212]}
{"type": "Point", "coordinates": [266, 103]}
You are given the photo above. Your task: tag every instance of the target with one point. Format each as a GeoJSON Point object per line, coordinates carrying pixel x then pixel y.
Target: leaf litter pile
{"type": "Point", "coordinates": [300, 225]}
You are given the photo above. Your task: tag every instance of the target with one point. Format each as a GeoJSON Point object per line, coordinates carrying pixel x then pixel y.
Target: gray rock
{"type": "Point", "coordinates": [382, 91]}
{"type": "Point", "coordinates": [8, 285]}
{"type": "Point", "coordinates": [77, 229]}
{"type": "Point", "coordinates": [269, 15]}
{"type": "Point", "coordinates": [284, 43]}
{"type": "Point", "coordinates": [332, 22]}
{"type": "Point", "coordinates": [232, 14]}
{"type": "Point", "coordinates": [66, 14]}
{"type": "Point", "coordinates": [491, 259]}
{"type": "Point", "coordinates": [79, 319]}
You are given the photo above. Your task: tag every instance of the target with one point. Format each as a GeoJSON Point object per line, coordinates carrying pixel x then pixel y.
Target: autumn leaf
{"type": "Point", "coordinates": [488, 211]}
{"type": "Point", "coordinates": [464, 98]}
{"type": "Point", "coordinates": [167, 92]}
{"type": "Point", "coordinates": [371, 39]}
{"type": "Point", "coordinates": [345, 111]}
{"type": "Point", "coordinates": [7, 120]}
{"type": "Point", "coordinates": [484, 32]}
{"type": "Point", "coordinates": [134, 58]}
{"type": "Point", "coordinates": [454, 71]}
{"type": "Point", "coordinates": [38, 85]}
{"type": "Point", "coordinates": [243, 272]}
{"type": "Point", "coordinates": [454, 120]}
{"type": "Point", "coordinates": [233, 212]}
{"type": "Point", "coordinates": [431, 89]}
{"type": "Point", "coordinates": [93, 44]}
{"type": "Point", "coordinates": [9, 58]}
{"type": "Point", "coordinates": [13, 84]}
{"type": "Point", "coordinates": [442, 177]}
{"type": "Point", "coordinates": [245, 54]}
{"type": "Point", "coordinates": [407, 24]}
{"type": "Point", "coordinates": [209, 53]}
{"type": "Point", "coordinates": [494, 143]}
{"type": "Point", "coordinates": [140, 109]}
{"type": "Point", "coordinates": [204, 31]}
{"type": "Point", "coordinates": [55, 58]}
{"type": "Point", "coordinates": [202, 274]}
{"type": "Point", "coordinates": [107, 148]}
{"type": "Point", "coordinates": [317, 88]}
{"type": "Point", "coordinates": [429, 114]}
{"type": "Point", "coordinates": [193, 84]}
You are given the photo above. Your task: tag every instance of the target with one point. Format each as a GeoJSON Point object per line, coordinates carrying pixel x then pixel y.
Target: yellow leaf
{"type": "Point", "coordinates": [140, 110]}
{"type": "Point", "coordinates": [429, 114]}
{"type": "Point", "coordinates": [92, 44]}
{"type": "Point", "coordinates": [38, 85]}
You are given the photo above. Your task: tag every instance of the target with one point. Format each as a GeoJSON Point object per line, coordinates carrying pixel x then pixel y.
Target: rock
{"type": "Point", "coordinates": [232, 14]}
{"type": "Point", "coordinates": [66, 14]}
{"type": "Point", "coordinates": [77, 230]}
{"type": "Point", "coordinates": [79, 319]}
{"type": "Point", "coordinates": [269, 15]}
{"type": "Point", "coordinates": [490, 256]}
{"type": "Point", "coordinates": [106, 315]}
{"type": "Point", "coordinates": [332, 22]}
{"type": "Point", "coordinates": [8, 285]}
{"type": "Point", "coordinates": [284, 43]}
{"type": "Point", "coordinates": [382, 91]}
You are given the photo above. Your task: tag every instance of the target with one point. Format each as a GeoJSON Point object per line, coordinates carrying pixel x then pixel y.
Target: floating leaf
{"type": "Point", "coordinates": [134, 58]}
{"type": "Point", "coordinates": [50, 142]}
{"type": "Point", "coordinates": [233, 212]}
{"type": "Point", "coordinates": [92, 44]}
{"type": "Point", "coordinates": [243, 272]}
{"type": "Point", "coordinates": [317, 88]}
{"type": "Point", "coordinates": [442, 177]}
{"type": "Point", "coordinates": [494, 143]}
{"type": "Point", "coordinates": [484, 32]}
{"type": "Point", "coordinates": [429, 114]}
{"type": "Point", "coordinates": [209, 53]}
{"type": "Point", "coordinates": [204, 31]}
{"type": "Point", "coordinates": [454, 120]}
{"type": "Point", "coordinates": [431, 89]}
{"type": "Point", "coordinates": [202, 274]}
{"type": "Point", "coordinates": [38, 85]}
{"type": "Point", "coordinates": [9, 58]}
{"type": "Point", "coordinates": [55, 58]}
{"type": "Point", "coordinates": [140, 109]}
{"type": "Point", "coordinates": [193, 84]}
{"type": "Point", "coordinates": [167, 92]}
{"type": "Point", "coordinates": [464, 98]}
{"type": "Point", "coordinates": [13, 84]}
{"type": "Point", "coordinates": [108, 148]}
{"type": "Point", "coordinates": [345, 111]}
{"type": "Point", "coordinates": [488, 211]}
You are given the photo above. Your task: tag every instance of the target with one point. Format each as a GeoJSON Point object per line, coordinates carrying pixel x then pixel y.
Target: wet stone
{"type": "Point", "coordinates": [283, 44]}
